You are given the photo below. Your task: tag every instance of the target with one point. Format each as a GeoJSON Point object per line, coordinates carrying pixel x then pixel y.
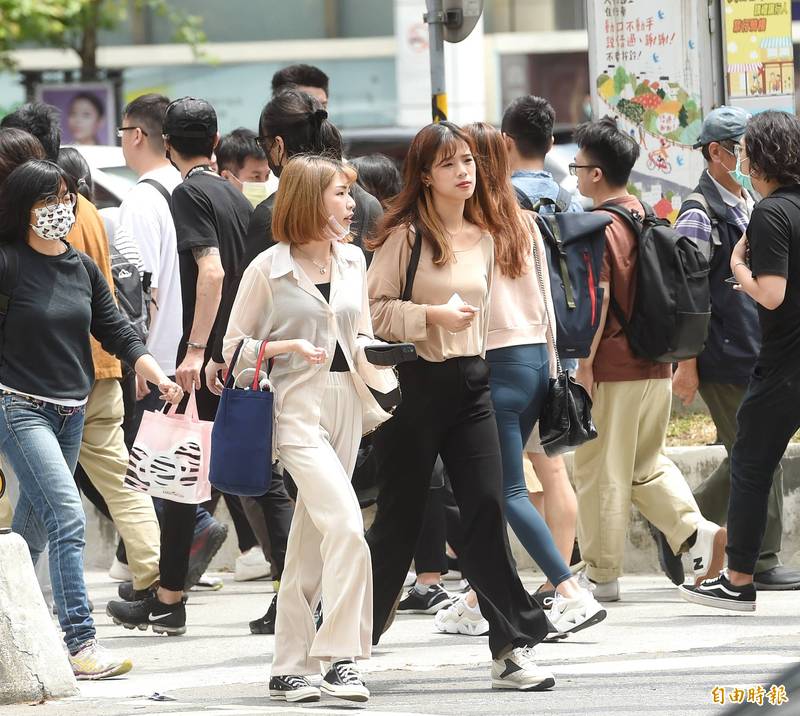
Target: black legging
{"type": "Point", "coordinates": [447, 410]}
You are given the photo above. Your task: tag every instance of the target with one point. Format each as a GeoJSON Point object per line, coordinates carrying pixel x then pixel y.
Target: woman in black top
{"type": "Point", "coordinates": [53, 299]}
{"type": "Point", "coordinates": [766, 266]}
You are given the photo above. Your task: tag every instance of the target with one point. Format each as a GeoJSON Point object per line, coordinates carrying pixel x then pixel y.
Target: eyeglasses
{"type": "Point", "coordinates": [120, 130]}
{"type": "Point", "coordinates": [264, 142]}
{"type": "Point", "coordinates": [52, 201]}
{"type": "Point", "coordinates": [573, 168]}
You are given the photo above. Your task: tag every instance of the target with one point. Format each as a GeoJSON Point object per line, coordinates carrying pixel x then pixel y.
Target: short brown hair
{"type": "Point", "coordinates": [299, 215]}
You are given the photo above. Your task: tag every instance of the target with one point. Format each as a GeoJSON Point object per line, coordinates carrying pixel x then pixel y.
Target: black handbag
{"type": "Point", "coordinates": [566, 418]}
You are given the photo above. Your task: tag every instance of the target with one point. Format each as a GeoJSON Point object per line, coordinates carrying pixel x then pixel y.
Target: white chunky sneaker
{"type": "Point", "coordinates": [96, 662]}
{"type": "Point", "coordinates": [460, 618]}
{"type": "Point", "coordinates": [708, 552]}
{"type": "Point", "coordinates": [251, 565]}
{"type": "Point", "coordinates": [573, 615]}
{"type": "Point", "coordinates": [606, 591]}
{"type": "Point", "coordinates": [518, 670]}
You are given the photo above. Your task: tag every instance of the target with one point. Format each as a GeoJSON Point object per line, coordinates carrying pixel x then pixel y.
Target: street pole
{"type": "Point", "coordinates": [435, 17]}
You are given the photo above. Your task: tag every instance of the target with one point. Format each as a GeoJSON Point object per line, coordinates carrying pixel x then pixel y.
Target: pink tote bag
{"type": "Point", "coordinates": [170, 456]}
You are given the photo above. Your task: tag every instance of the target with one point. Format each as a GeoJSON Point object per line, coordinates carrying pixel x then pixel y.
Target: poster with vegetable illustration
{"type": "Point", "coordinates": [646, 65]}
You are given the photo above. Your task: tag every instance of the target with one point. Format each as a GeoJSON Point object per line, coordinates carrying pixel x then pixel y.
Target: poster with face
{"type": "Point", "coordinates": [87, 111]}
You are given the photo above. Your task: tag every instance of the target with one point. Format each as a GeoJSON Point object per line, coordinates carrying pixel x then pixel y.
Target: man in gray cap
{"type": "Point", "coordinates": [716, 215]}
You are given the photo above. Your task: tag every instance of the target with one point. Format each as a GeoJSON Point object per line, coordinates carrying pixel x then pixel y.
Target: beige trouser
{"type": "Point", "coordinates": [626, 464]}
{"type": "Point", "coordinates": [326, 546]}
{"type": "Point", "coordinates": [104, 457]}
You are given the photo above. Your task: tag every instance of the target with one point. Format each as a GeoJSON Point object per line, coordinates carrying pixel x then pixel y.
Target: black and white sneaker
{"type": "Point", "coordinates": [434, 599]}
{"type": "Point", "coordinates": [266, 624]}
{"type": "Point", "coordinates": [149, 612]}
{"type": "Point", "coordinates": [518, 670]}
{"type": "Point", "coordinates": [297, 689]}
{"type": "Point", "coordinates": [720, 593]}
{"type": "Point", "coordinates": [343, 681]}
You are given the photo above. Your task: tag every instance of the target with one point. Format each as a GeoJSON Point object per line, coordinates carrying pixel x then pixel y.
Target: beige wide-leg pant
{"type": "Point", "coordinates": [626, 464]}
{"type": "Point", "coordinates": [326, 551]}
{"type": "Point", "coordinates": [104, 457]}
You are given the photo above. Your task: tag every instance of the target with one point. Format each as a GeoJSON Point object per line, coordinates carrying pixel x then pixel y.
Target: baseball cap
{"type": "Point", "coordinates": [722, 123]}
{"type": "Point", "coordinates": [190, 117]}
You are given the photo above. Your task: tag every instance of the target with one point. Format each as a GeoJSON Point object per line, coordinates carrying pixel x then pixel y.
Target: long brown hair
{"type": "Point", "coordinates": [512, 236]}
{"type": "Point", "coordinates": [414, 204]}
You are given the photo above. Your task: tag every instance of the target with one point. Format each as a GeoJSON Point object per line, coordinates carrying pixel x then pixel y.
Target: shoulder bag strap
{"type": "Point", "coordinates": [551, 319]}
{"type": "Point", "coordinates": [9, 275]}
{"type": "Point", "coordinates": [522, 199]}
{"type": "Point", "coordinates": [158, 186]}
{"type": "Point", "coordinates": [413, 263]}
{"type": "Point", "coordinates": [564, 199]}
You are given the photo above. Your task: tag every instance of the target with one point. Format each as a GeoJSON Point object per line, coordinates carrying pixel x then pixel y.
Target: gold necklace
{"type": "Point", "coordinates": [322, 266]}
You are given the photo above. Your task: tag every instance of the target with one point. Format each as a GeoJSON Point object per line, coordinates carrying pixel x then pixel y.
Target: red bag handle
{"type": "Point", "coordinates": [259, 361]}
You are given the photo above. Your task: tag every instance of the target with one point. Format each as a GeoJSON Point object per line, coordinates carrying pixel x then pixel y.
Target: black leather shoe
{"type": "Point", "coordinates": [671, 564]}
{"type": "Point", "coordinates": [777, 579]}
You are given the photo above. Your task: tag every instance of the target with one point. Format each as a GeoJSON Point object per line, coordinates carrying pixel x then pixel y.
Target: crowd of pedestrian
{"type": "Point", "coordinates": [271, 244]}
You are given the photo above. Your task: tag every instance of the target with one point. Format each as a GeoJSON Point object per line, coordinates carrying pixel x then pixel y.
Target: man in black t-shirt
{"type": "Point", "coordinates": [766, 265]}
{"type": "Point", "coordinates": [211, 219]}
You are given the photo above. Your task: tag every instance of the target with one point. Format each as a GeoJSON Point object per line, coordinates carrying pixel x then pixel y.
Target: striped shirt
{"type": "Point", "coordinates": [696, 225]}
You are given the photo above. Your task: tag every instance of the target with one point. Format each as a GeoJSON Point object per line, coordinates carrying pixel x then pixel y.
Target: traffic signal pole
{"type": "Point", "coordinates": [436, 18]}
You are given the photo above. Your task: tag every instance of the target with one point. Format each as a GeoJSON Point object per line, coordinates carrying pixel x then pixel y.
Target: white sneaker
{"type": "Point", "coordinates": [572, 615]}
{"type": "Point", "coordinates": [708, 552]}
{"type": "Point", "coordinates": [518, 670]}
{"type": "Point", "coordinates": [606, 591]}
{"type": "Point", "coordinates": [96, 662]}
{"type": "Point", "coordinates": [460, 618]}
{"type": "Point", "coordinates": [120, 572]}
{"type": "Point", "coordinates": [251, 565]}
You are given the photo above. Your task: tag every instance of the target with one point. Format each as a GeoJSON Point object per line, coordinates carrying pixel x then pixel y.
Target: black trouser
{"type": "Point", "coordinates": [278, 510]}
{"type": "Point", "coordinates": [440, 525]}
{"type": "Point", "coordinates": [447, 410]}
{"type": "Point", "coordinates": [767, 419]}
{"type": "Point", "coordinates": [245, 536]}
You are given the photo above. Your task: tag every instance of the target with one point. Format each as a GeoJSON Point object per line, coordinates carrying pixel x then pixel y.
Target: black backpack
{"type": "Point", "coordinates": [574, 243]}
{"type": "Point", "coordinates": [672, 306]}
{"type": "Point", "coordinates": [132, 290]}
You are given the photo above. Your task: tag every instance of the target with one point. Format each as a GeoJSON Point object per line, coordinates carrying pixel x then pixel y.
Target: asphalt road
{"type": "Point", "coordinates": [654, 654]}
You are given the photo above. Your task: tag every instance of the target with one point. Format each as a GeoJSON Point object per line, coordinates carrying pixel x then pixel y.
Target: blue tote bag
{"type": "Point", "coordinates": [241, 440]}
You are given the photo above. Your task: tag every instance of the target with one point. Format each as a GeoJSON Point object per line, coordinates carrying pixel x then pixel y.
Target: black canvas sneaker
{"type": "Point", "coordinates": [297, 689]}
{"type": "Point", "coordinates": [434, 599]}
{"type": "Point", "coordinates": [343, 681]}
{"type": "Point", "coordinates": [266, 624]}
{"type": "Point", "coordinates": [720, 593]}
{"type": "Point", "coordinates": [149, 612]}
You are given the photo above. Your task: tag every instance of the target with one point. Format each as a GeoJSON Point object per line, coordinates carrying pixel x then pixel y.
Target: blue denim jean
{"type": "Point", "coordinates": [519, 381]}
{"type": "Point", "coordinates": [40, 441]}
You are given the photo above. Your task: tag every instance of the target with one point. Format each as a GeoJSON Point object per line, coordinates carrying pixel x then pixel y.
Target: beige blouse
{"type": "Point", "coordinates": [277, 301]}
{"type": "Point", "coordinates": [469, 275]}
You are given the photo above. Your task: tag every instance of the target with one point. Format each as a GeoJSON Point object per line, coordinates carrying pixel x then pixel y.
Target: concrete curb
{"type": "Point", "coordinates": [33, 663]}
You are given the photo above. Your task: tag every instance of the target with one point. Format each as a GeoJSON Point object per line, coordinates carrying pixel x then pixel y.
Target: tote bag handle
{"type": "Point", "coordinates": [259, 362]}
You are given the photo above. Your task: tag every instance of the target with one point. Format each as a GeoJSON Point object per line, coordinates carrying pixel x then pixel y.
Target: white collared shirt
{"type": "Point", "coordinates": [277, 301]}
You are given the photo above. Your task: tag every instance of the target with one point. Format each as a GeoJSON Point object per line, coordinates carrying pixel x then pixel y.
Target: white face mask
{"type": "Point", "coordinates": [53, 224]}
{"type": "Point", "coordinates": [255, 191]}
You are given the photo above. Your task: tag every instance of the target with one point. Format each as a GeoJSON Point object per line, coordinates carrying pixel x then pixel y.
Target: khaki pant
{"type": "Point", "coordinates": [626, 464]}
{"type": "Point", "coordinates": [104, 457]}
{"type": "Point", "coordinates": [326, 547]}
{"type": "Point", "coordinates": [6, 513]}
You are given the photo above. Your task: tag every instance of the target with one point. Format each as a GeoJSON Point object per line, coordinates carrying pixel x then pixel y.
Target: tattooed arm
{"type": "Point", "coordinates": [210, 275]}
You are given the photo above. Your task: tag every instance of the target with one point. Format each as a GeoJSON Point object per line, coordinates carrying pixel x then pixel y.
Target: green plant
{"type": "Point", "coordinates": [75, 25]}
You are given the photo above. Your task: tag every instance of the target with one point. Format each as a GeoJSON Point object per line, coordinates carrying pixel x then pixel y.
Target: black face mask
{"type": "Point", "coordinates": [276, 169]}
{"type": "Point", "coordinates": [169, 158]}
